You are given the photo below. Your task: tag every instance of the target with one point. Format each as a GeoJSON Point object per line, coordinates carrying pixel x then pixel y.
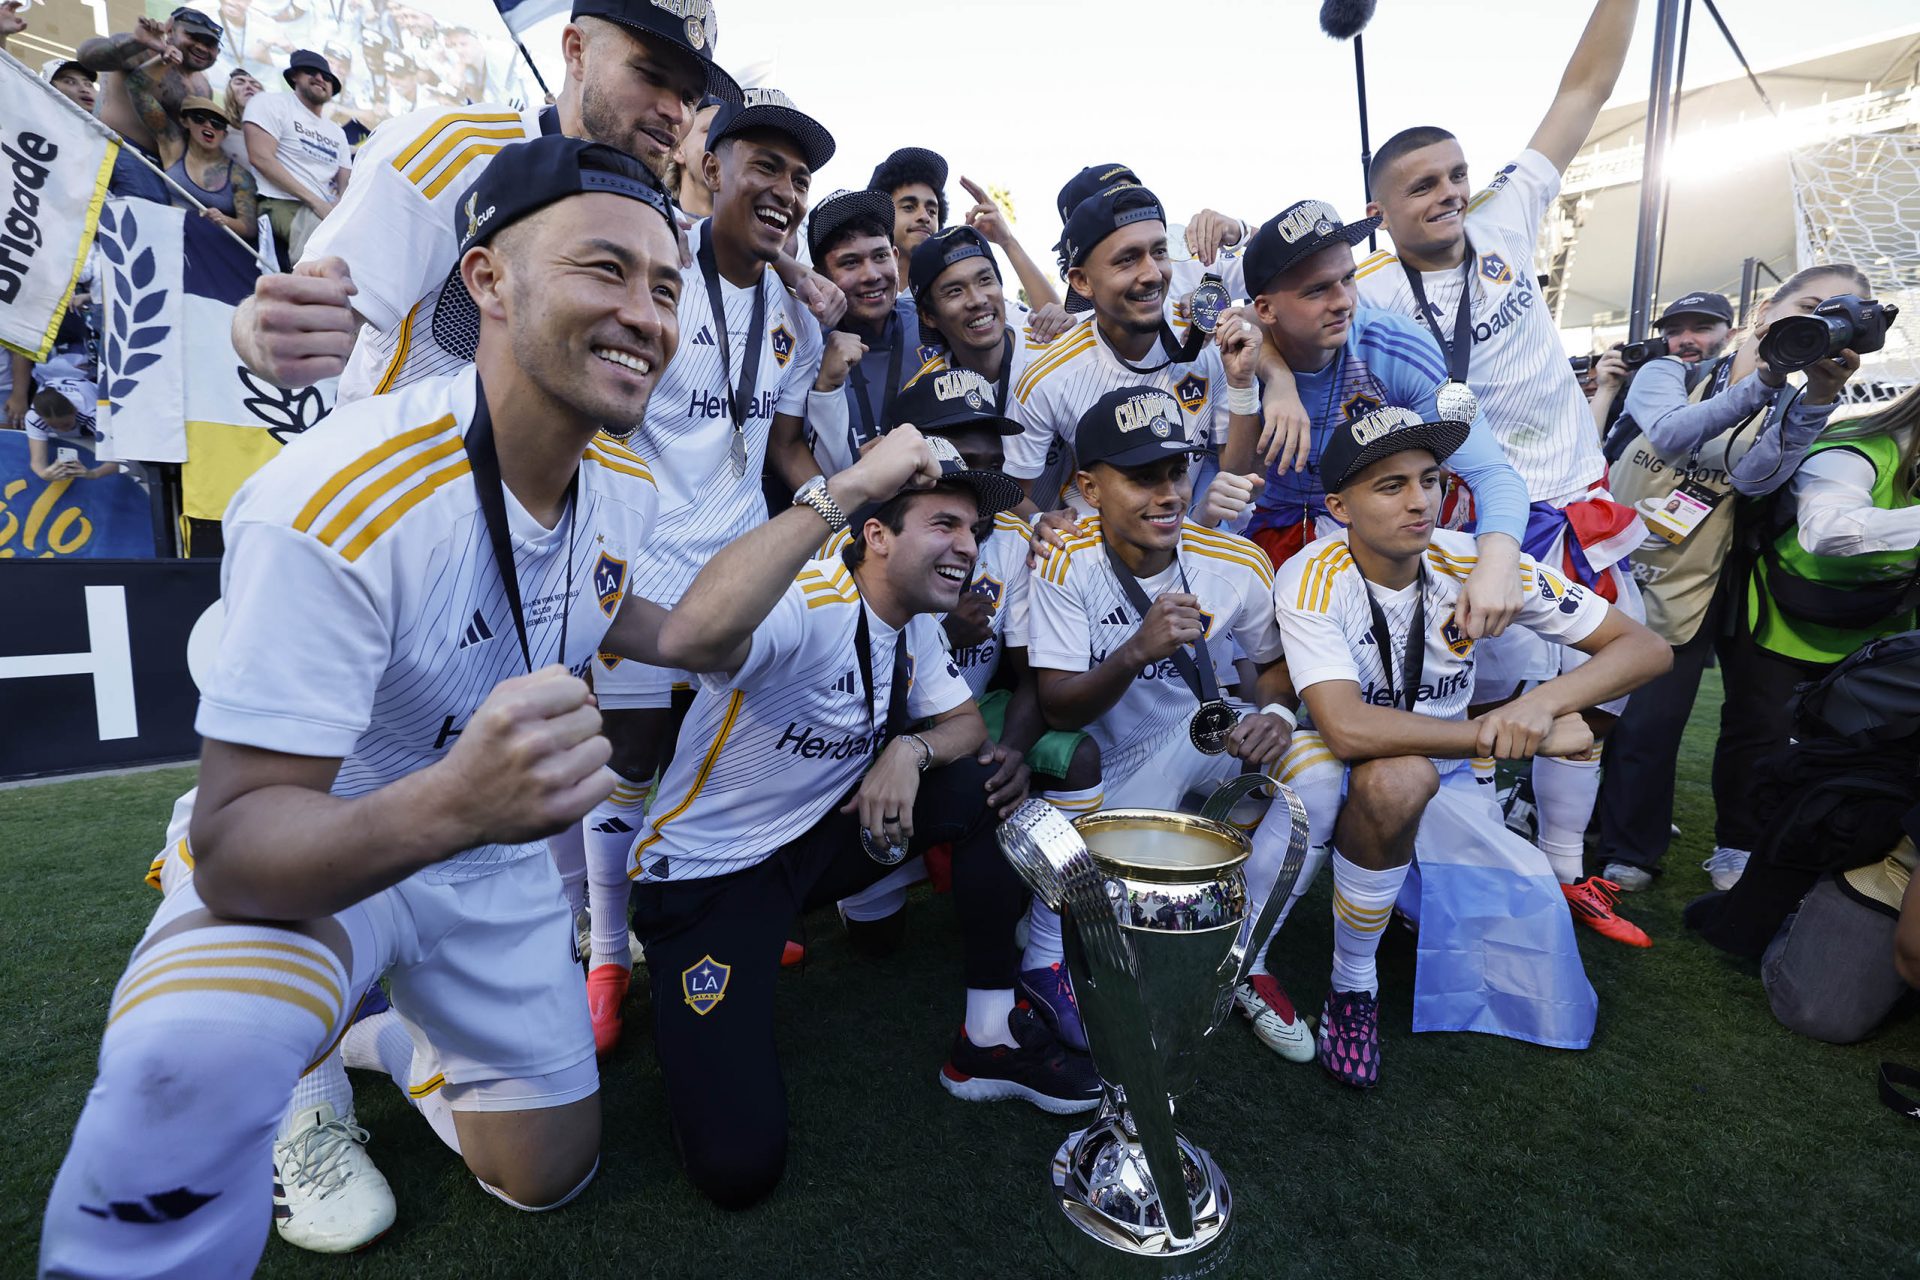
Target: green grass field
{"type": "Point", "coordinates": [1695, 1138]}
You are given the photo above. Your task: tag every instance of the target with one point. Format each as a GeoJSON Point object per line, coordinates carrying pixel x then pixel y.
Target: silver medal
{"type": "Point", "coordinates": [738, 452]}
{"type": "Point", "coordinates": [1208, 300]}
{"type": "Point", "coordinates": [1456, 402]}
{"type": "Point", "coordinates": [880, 850]}
{"type": "Point", "coordinates": [1210, 726]}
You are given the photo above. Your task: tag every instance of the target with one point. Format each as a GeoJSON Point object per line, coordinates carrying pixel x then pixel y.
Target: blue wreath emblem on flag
{"type": "Point", "coordinates": [131, 341]}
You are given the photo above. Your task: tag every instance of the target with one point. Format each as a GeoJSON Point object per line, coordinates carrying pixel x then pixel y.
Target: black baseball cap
{"type": "Point", "coordinates": [994, 491]}
{"type": "Point", "coordinates": [948, 400]}
{"type": "Point", "coordinates": [943, 249]}
{"type": "Point", "coordinates": [1131, 427]}
{"type": "Point", "coordinates": [53, 68]}
{"type": "Point", "coordinates": [842, 207]}
{"type": "Point", "coordinates": [1102, 214]}
{"type": "Point", "coordinates": [1712, 305]}
{"type": "Point", "coordinates": [1294, 234]}
{"type": "Point", "coordinates": [688, 25]}
{"type": "Point", "coordinates": [523, 179]}
{"type": "Point", "coordinates": [772, 109]}
{"type": "Point", "coordinates": [1091, 181]}
{"type": "Point", "coordinates": [308, 60]}
{"type": "Point", "coordinates": [194, 18]}
{"type": "Point", "coordinates": [1358, 444]}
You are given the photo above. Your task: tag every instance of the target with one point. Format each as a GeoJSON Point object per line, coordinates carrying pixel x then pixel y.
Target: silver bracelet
{"type": "Point", "coordinates": [926, 752]}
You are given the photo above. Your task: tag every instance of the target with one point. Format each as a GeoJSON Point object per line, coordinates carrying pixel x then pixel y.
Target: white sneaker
{"type": "Point", "coordinates": [1630, 878]}
{"type": "Point", "coordinates": [327, 1195]}
{"type": "Point", "coordinates": [1291, 1038]}
{"type": "Point", "coordinates": [583, 941]}
{"type": "Point", "coordinates": [1726, 866]}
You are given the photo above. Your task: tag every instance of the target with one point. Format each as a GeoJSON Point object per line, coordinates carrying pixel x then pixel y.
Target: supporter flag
{"type": "Point", "coordinates": [56, 161]}
{"type": "Point", "coordinates": [107, 516]}
{"type": "Point", "coordinates": [520, 15]}
{"type": "Point", "coordinates": [142, 356]}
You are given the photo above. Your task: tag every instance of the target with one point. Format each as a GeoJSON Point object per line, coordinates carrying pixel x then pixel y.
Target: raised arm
{"type": "Point", "coordinates": [987, 218]}
{"type": "Point", "coordinates": [1587, 82]}
{"type": "Point", "coordinates": [145, 43]}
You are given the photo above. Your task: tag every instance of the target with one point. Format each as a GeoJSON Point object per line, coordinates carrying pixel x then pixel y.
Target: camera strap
{"type": "Point", "coordinates": [484, 458]}
{"type": "Point", "coordinates": [1414, 663]}
{"type": "Point", "coordinates": [1459, 351]}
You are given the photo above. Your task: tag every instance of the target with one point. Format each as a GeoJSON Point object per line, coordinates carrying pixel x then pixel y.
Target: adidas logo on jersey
{"type": "Point", "coordinates": [845, 684]}
{"type": "Point", "coordinates": [1118, 618]}
{"type": "Point", "coordinates": [704, 338]}
{"type": "Point", "coordinates": [612, 827]}
{"type": "Point", "coordinates": [477, 631]}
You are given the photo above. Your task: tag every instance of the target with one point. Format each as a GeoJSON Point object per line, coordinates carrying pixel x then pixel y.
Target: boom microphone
{"type": "Point", "coordinates": [1344, 19]}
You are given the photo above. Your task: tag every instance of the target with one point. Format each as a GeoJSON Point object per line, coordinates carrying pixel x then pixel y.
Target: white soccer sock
{"type": "Point", "coordinates": [886, 896]}
{"type": "Point", "coordinates": [1564, 791]}
{"type": "Point", "coordinates": [987, 1017]}
{"type": "Point", "coordinates": [611, 830]}
{"type": "Point", "coordinates": [569, 851]}
{"type": "Point", "coordinates": [1043, 948]}
{"type": "Point", "coordinates": [384, 1043]}
{"type": "Point", "coordinates": [1362, 905]}
{"type": "Point", "coordinates": [327, 1082]}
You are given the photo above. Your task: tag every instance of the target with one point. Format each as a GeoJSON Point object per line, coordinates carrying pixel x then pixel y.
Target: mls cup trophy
{"type": "Point", "coordinates": [1161, 935]}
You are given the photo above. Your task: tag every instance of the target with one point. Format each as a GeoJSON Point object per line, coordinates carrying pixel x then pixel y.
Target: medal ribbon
{"type": "Point", "coordinates": [1460, 350]}
{"type": "Point", "coordinates": [1198, 675]}
{"type": "Point", "coordinates": [896, 718]}
{"type": "Point", "coordinates": [491, 491]}
{"type": "Point", "coordinates": [739, 404]}
{"type": "Point", "coordinates": [1414, 663]}
{"type": "Point", "coordinates": [869, 429]}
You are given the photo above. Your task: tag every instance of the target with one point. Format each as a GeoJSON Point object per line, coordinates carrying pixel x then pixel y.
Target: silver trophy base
{"type": "Point", "coordinates": [1107, 1222]}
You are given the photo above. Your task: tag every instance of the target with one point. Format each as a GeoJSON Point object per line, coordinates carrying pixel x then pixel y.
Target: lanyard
{"type": "Point", "coordinates": [1006, 372]}
{"type": "Point", "coordinates": [896, 695]}
{"type": "Point", "coordinates": [1415, 661]}
{"type": "Point", "coordinates": [1177, 351]}
{"type": "Point", "coordinates": [1460, 350]}
{"type": "Point", "coordinates": [869, 429]}
{"type": "Point", "coordinates": [1199, 676]}
{"type": "Point", "coordinates": [487, 486]}
{"type": "Point", "coordinates": [739, 405]}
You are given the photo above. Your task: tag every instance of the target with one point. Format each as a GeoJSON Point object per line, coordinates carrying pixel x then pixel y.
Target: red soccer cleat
{"type": "Point", "coordinates": [606, 992]}
{"type": "Point", "coordinates": [1591, 901]}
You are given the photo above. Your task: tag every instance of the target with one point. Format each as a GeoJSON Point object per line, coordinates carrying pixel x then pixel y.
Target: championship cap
{"type": "Point", "coordinates": [1712, 305]}
{"type": "Point", "coordinates": [843, 207]}
{"type": "Point", "coordinates": [688, 25]}
{"type": "Point", "coordinates": [308, 60]}
{"type": "Point", "coordinates": [1102, 214]}
{"type": "Point", "coordinates": [932, 256]}
{"type": "Point", "coordinates": [56, 67]}
{"type": "Point", "coordinates": [199, 21]}
{"type": "Point", "coordinates": [948, 400]}
{"type": "Point", "coordinates": [523, 179]}
{"type": "Point", "coordinates": [1091, 181]}
{"type": "Point", "coordinates": [1293, 235]}
{"type": "Point", "coordinates": [1131, 427]}
{"type": "Point", "coordinates": [772, 109]}
{"type": "Point", "coordinates": [994, 491]}
{"type": "Point", "coordinates": [1356, 445]}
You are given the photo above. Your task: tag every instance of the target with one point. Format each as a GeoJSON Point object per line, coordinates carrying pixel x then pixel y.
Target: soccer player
{"type": "Point", "coordinates": [796, 782]}
{"type": "Point", "coordinates": [1461, 265]}
{"type": "Point", "coordinates": [1373, 641]}
{"type": "Point", "coordinates": [966, 319]}
{"type": "Point", "coordinates": [914, 181]}
{"type": "Point", "coordinates": [729, 408]}
{"type": "Point", "coordinates": [428, 573]}
{"type": "Point", "coordinates": [1116, 253]}
{"type": "Point", "coordinates": [1214, 241]}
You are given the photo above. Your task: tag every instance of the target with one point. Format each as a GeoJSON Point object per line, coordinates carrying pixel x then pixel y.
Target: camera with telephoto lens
{"type": "Point", "coordinates": [1635, 354]}
{"type": "Point", "coordinates": [1843, 323]}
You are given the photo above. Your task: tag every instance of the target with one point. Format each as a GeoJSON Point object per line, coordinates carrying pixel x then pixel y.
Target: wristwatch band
{"type": "Point", "coordinates": [814, 494]}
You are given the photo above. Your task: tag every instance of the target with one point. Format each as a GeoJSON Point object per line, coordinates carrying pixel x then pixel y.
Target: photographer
{"type": "Point", "coordinates": [1692, 330]}
{"type": "Point", "coordinates": [1707, 428]}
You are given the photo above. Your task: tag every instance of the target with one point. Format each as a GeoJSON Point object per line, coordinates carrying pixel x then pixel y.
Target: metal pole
{"type": "Point", "coordinates": [1673, 131]}
{"type": "Point", "coordinates": [1653, 169]}
{"type": "Point", "coordinates": [1749, 285]}
{"type": "Point", "coordinates": [1366, 146]}
{"type": "Point", "coordinates": [537, 77]}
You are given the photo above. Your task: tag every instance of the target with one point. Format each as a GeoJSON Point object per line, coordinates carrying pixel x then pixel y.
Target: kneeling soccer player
{"type": "Point", "coordinates": [377, 772]}
{"type": "Point", "coordinates": [1385, 671]}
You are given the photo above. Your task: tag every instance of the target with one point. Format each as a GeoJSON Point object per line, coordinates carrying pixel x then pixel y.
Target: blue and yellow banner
{"type": "Point", "coordinates": [104, 517]}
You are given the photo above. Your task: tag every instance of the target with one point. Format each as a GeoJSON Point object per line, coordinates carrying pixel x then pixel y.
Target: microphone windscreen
{"type": "Point", "coordinates": [1344, 19]}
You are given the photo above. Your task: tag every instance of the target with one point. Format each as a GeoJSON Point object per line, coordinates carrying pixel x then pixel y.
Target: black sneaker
{"type": "Point", "coordinates": [1042, 1070]}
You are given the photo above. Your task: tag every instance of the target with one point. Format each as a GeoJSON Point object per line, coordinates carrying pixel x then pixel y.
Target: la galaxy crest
{"type": "Point", "coordinates": [1359, 405]}
{"type": "Point", "coordinates": [1191, 392]}
{"type": "Point", "coordinates": [609, 582]}
{"type": "Point", "coordinates": [782, 343]}
{"type": "Point", "coordinates": [1458, 642]}
{"type": "Point", "coordinates": [990, 587]}
{"type": "Point", "coordinates": [1206, 625]}
{"type": "Point", "coordinates": [704, 984]}
{"type": "Point", "coordinates": [1495, 268]}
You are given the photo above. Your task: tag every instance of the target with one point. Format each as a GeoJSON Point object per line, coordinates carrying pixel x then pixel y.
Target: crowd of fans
{"type": "Point", "coordinates": [1755, 516]}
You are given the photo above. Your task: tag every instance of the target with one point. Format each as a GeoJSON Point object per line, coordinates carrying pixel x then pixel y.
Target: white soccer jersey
{"type": "Point", "coordinates": [1066, 376]}
{"type": "Point", "coordinates": [1002, 576]}
{"type": "Point", "coordinates": [765, 753]}
{"type": "Point", "coordinates": [1328, 626]}
{"type": "Point", "coordinates": [1528, 393]}
{"type": "Point", "coordinates": [938, 359]}
{"type": "Point", "coordinates": [395, 230]}
{"type": "Point", "coordinates": [365, 617]}
{"type": "Point", "coordinates": [1078, 614]}
{"type": "Point", "coordinates": [687, 437]}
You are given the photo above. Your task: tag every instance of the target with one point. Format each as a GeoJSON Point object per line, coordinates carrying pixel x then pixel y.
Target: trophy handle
{"type": "Point", "coordinates": [1255, 930]}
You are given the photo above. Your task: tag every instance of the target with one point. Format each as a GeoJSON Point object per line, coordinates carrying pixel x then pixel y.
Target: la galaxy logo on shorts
{"type": "Point", "coordinates": [1191, 392]}
{"type": "Point", "coordinates": [1458, 642]}
{"type": "Point", "coordinates": [1495, 268]}
{"type": "Point", "coordinates": [704, 984]}
{"type": "Point", "coordinates": [609, 582]}
{"type": "Point", "coordinates": [782, 343]}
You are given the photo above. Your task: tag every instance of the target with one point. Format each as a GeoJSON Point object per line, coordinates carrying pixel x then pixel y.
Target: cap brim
{"type": "Point", "coordinates": [1148, 453]}
{"type": "Point", "coordinates": [1441, 439]}
{"type": "Point", "coordinates": [997, 423]}
{"type": "Point", "coordinates": [719, 83]}
{"type": "Point", "coordinates": [994, 490]}
{"type": "Point", "coordinates": [456, 317]}
{"type": "Point", "coordinates": [1704, 315]}
{"type": "Point", "coordinates": [816, 144]}
{"type": "Point", "coordinates": [1351, 234]}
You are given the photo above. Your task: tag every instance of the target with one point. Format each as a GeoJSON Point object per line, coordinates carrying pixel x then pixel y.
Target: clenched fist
{"type": "Point", "coordinates": [529, 761]}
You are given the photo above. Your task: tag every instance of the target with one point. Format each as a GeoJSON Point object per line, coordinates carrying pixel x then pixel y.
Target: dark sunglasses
{"type": "Point", "coordinates": [201, 117]}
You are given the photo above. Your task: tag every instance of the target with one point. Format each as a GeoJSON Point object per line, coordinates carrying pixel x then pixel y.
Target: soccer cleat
{"type": "Point", "coordinates": [606, 992]}
{"type": "Point", "coordinates": [1725, 866]}
{"type": "Point", "coordinates": [1049, 992]}
{"type": "Point", "coordinates": [1350, 1038]}
{"type": "Point", "coordinates": [327, 1195]}
{"type": "Point", "coordinates": [1522, 815]}
{"type": "Point", "coordinates": [1630, 878]}
{"type": "Point", "coordinates": [793, 954]}
{"type": "Point", "coordinates": [1278, 1025]}
{"type": "Point", "coordinates": [1041, 1070]}
{"type": "Point", "coordinates": [1591, 902]}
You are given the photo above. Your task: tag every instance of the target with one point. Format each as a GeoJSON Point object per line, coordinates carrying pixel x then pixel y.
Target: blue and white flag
{"type": "Point", "coordinates": [521, 15]}
{"type": "Point", "coordinates": [142, 338]}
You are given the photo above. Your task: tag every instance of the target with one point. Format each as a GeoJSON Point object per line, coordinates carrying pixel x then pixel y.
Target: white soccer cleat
{"type": "Point", "coordinates": [1630, 878]}
{"type": "Point", "coordinates": [1276, 1022]}
{"type": "Point", "coordinates": [1725, 866]}
{"type": "Point", "coordinates": [327, 1195]}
